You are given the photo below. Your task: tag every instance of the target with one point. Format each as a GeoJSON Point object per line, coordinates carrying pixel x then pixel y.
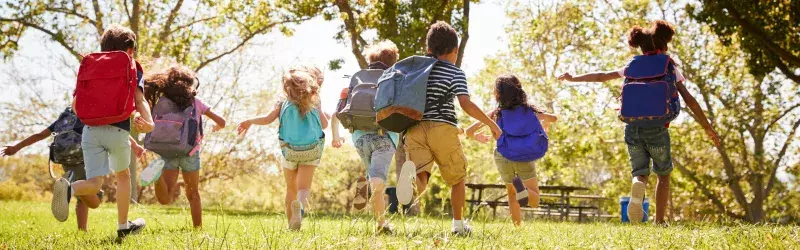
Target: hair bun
{"type": "Point", "coordinates": [636, 36]}
{"type": "Point", "coordinates": [663, 31]}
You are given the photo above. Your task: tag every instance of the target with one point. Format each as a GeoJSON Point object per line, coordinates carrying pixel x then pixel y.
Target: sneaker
{"type": "Point", "coordinates": [134, 227]}
{"type": "Point", "coordinates": [635, 210]}
{"type": "Point", "coordinates": [464, 230]}
{"type": "Point", "coordinates": [386, 228]}
{"type": "Point", "coordinates": [405, 184]}
{"type": "Point", "coordinates": [362, 193]}
{"type": "Point", "coordinates": [297, 216]}
{"type": "Point", "coordinates": [61, 196]}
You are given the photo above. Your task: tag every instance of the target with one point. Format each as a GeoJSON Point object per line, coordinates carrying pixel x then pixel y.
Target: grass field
{"type": "Point", "coordinates": [29, 225]}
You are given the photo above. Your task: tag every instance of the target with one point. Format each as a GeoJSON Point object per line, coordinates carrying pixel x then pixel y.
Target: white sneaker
{"type": "Point", "coordinates": [297, 216]}
{"type": "Point", "coordinates": [463, 230]}
{"type": "Point", "coordinates": [60, 202]}
{"type": "Point", "coordinates": [635, 209]}
{"type": "Point", "coordinates": [405, 184]}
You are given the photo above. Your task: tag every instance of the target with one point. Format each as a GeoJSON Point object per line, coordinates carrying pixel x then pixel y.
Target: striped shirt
{"type": "Point", "coordinates": [446, 81]}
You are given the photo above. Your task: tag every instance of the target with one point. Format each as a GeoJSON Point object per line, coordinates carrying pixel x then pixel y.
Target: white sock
{"type": "Point", "coordinates": [302, 196]}
{"type": "Point", "coordinates": [458, 223]}
{"type": "Point", "coordinates": [123, 226]}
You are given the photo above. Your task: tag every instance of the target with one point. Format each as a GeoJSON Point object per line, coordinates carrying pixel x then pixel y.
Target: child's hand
{"type": "Point", "coordinates": [496, 132]}
{"type": "Point", "coordinates": [9, 150]}
{"type": "Point", "coordinates": [337, 142]}
{"type": "Point", "coordinates": [137, 149]}
{"type": "Point", "coordinates": [216, 128]}
{"type": "Point", "coordinates": [482, 138]}
{"type": "Point", "coordinates": [711, 133]}
{"type": "Point", "coordinates": [243, 127]}
{"type": "Point", "coordinates": [142, 125]}
{"type": "Point", "coordinates": [565, 77]}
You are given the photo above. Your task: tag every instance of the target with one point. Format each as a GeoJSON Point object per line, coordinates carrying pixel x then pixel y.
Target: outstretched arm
{"type": "Point", "coordinates": [591, 77]}
{"type": "Point", "coordinates": [547, 119]}
{"type": "Point", "coordinates": [219, 122]}
{"type": "Point", "coordinates": [473, 111]}
{"type": "Point", "coordinates": [11, 150]}
{"type": "Point", "coordinates": [259, 120]}
{"type": "Point", "coordinates": [698, 112]}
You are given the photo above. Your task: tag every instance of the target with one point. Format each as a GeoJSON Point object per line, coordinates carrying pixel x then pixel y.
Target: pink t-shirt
{"type": "Point", "coordinates": [201, 109]}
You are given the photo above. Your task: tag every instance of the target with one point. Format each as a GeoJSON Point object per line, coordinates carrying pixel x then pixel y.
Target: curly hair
{"type": "Point", "coordinates": [301, 89]}
{"type": "Point", "coordinates": [657, 37]}
{"type": "Point", "coordinates": [508, 94]}
{"type": "Point", "coordinates": [313, 71]}
{"type": "Point", "coordinates": [152, 87]}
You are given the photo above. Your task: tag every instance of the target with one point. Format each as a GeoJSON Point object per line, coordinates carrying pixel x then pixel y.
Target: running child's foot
{"type": "Point", "coordinates": [386, 228]}
{"type": "Point", "coordinates": [133, 227]}
{"type": "Point", "coordinates": [405, 184]}
{"type": "Point", "coordinates": [635, 209]}
{"type": "Point", "coordinates": [297, 216]}
{"type": "Point", "coordinates": [61, 196]}
{"type": "Point", "coordinates": [362, 193]}
{"type": "Point", "coordinates": [463, 229]}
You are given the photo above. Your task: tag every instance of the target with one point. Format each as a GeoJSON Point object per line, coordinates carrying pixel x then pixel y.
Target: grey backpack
{"type": "Point", "coordinates": [177, 132]}
{"type": "Point", "coordinates": [66, 146]}
{"type": "Point", "coordinates": [401, 96]}
{"type": "Point", "coordinates": [358, 111]}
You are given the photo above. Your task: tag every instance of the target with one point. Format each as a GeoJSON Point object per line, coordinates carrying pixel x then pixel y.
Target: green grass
{"type": "Point", "coordinates": [29, 225]}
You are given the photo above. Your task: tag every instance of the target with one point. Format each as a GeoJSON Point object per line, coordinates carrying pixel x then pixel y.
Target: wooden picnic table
{"type": "Point", "coordinates": [564, 194]}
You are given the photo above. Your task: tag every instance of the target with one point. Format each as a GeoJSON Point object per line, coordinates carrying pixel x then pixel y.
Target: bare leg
{"type": "Point", "coordinates": [166, 186]}
{"type": "Point", "coordinates": [305, 175]}
{"type": "Point", "coordinates": [422, 182]}
{"type": "Point", "coordinates": [192, 180]}
{"type": "Point", "coordinates": [123, 195]}
{"type": "Point", "coordinates": [458, 195]}
{"type": "Point", "coordinates": [513, 205]}
{"type": "Point", "coordinates": [90, 201]}
{"type": "Point", "coordinates": [291, 190]}
{"type": "Point", "coordinates": [87, 187]}
{"type": "Point", "coordinates": [662, 196]}
{"type": "Point", "coordinates": [378, 200]}
{"type": "Point", "coordinates": [82, 214]}
{"type": "Point", "coordinates": [532, 186]}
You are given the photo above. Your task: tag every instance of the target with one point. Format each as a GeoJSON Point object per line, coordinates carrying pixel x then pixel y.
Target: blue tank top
{"type": "Point", "coordinates": [297, 129]}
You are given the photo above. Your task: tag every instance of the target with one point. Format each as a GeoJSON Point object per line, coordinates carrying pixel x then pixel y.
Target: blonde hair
{"type": "Point", "coordinates": [301, 89]}
{"type": "Point", "coordinates": [385, 51]}
{"type": "Point", "coordinates": [313, 71]}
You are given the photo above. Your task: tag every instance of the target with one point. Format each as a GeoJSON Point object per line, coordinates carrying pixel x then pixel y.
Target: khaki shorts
{"type": "Point", "coordinates": [508, 169]}
{"type": "Point", "coordinates": [429, 142]}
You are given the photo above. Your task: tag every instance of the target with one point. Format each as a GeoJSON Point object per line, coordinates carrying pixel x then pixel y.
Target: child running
{"type": "Point", "coordinates": [301, 139]}
{"type": "Point", "coordinates": [435, 138]}
{"type": "Point", "coordinates": [514, 112]}
{"type": "Point", "coordinates": [376, 148]}
{"type": "Point", "coordinates": [646, 142]}
{"type": "Point", "coordinates": [178, 85]}
{"type": "Point", "coordinates": [65, 150]}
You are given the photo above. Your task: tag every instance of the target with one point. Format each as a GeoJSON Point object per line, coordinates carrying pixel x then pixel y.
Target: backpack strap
{"type": "Point", "coordinates": [647, 66]}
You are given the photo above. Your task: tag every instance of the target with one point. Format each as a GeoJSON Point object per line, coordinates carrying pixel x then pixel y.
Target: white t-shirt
{"type": "Point", "coordinates": [678, 74]}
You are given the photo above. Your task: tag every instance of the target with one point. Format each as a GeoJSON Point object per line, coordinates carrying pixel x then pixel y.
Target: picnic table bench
{"type": "Point", "coordinates": [562, 206]}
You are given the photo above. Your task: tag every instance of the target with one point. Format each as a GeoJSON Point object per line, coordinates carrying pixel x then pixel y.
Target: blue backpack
{"type": "Point", "coordinates": [400, 98]}
{"type": "Point", "coordinates": [523, 137]}
{"type": "Point", "coordinates": [650, 94]}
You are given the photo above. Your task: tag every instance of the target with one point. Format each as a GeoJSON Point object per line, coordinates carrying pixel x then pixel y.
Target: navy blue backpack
{"type": "Point", "coordinates": [523, 137]}
{"type": "Point", "coordinates": [650, 94]}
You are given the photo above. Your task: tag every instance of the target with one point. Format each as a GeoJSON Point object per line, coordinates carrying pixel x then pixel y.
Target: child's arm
{"type": "Point", "coordinates": [473, 111]}
{"type": "Point", "coordinates": [337, 141]}
{"type": "Point", "coordinates": [472, 130]}
{"type": "Point", "coordinates": [11, 150]}
{"type": "Point", "coordinates": [143, 122]}
{"type": "Point", "coordinates": [259, 120]}
{"type": "Point", "coordinates": [591, 77]}
{"type": "Point", "coordinates": [138, 149]}
{"type": "Point", "coordinates": [698, 112]}
{"type": "Point", "coordinates": [547, 119]}
{"type": "Point", "coordinates": [219, 122]}
{"type": "Point", "coordinates": [323, 118]}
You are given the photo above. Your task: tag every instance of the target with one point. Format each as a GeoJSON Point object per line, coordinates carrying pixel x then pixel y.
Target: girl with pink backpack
{"type": "Point", "coordinates": [523, 141]}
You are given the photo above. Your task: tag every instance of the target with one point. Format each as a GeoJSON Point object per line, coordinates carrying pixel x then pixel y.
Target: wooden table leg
{"type": "Point", "coordinates": [567, 204]}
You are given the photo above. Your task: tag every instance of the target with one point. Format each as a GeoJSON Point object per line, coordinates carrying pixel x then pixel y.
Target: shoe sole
{"type": "Point", "coordinates": [405, 189]}
{"type": "Point", "coordinates": [361, 194]}
{"type": "Point", "coordinates": [635, 210]}
{"type": "Point", "coordinates": [60, 204]}
{"type": "Point", "coordinates": [297, 218]}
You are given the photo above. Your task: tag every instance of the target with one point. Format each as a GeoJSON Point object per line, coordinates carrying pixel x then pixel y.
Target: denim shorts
{"type": "Point", "coordinates": [376, 153]}
{"type": "Point", "coordinates": [185, 164]}
{"type": "Point", "coordinates": [646, 143]}
{"type": "Point", "coordinates": [105, 149]}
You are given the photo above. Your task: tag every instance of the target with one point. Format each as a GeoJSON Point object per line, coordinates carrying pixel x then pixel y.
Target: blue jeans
{"type": "Point", "coordinates": [376, 153]}
{"type": "Point", "coordinates": [646, 143]}
{"type": "Point", "coordinates": [185, 164]}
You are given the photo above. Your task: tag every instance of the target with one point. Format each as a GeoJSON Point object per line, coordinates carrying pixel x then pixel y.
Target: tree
{"type": "Point", "coordinates": [193, 34]}
{"type": "Point", "coordinates": [403, 22]}
{"type": "Point", "coordinates": [768, 31]}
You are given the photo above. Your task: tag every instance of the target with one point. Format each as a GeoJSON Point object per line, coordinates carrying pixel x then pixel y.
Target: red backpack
{"type": "Point", "coordinates": [104, 93]}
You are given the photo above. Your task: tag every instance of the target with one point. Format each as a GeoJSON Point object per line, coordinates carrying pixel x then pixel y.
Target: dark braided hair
{"type": "Point", "coordinates": [509, 94]}
{"type": "Point", "coordinates": [179, 87]}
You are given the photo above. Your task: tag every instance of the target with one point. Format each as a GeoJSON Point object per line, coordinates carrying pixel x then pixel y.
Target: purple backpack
{"type": "Point", "coordinates": [177, 132]}
{"type": "Point", "coordinates": [523, 137]}
{"type": "Point", "coordinates": [650, 94]}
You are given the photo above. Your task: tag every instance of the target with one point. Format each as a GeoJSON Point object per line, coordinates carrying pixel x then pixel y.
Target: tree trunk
{"type": "Point", "coordinates": [464, 35]}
